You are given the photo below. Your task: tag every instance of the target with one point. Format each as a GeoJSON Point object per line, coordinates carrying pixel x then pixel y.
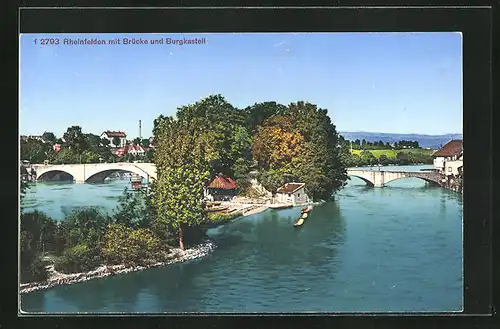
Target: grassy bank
{"type": "Point", "coordinates": [391, 154]}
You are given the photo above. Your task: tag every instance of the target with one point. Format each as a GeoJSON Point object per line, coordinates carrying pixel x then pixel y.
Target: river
{"type": "Point", "coordinates": [397, 248]}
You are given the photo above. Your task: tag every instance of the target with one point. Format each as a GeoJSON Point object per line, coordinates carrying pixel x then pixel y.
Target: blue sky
{"type": "Point", "coordinates": [375, 82]}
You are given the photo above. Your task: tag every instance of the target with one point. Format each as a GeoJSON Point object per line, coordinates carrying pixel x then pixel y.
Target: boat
{"type": "Point", "coordinates": [307, 209]}
{"type": "Point", "coordinates": [280, 206]}
{"type": "Point", "coordinates": [303, 216]}
{"type": "Point", "coordinates": [136, 182]}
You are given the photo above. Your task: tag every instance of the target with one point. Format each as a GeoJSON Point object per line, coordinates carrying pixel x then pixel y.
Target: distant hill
{"type": "Point", "coordinates": [425, 141]}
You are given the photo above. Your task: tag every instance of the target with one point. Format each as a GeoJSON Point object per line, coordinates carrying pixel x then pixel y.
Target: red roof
{"type": "Point", "coordinates": [290, 187]}
{"type": "Point", "coordinates": [223, 182]}
{"type": "Point", "coordinates": [115, 133]}
{"type": "Point", "coordinates": [452, 148]}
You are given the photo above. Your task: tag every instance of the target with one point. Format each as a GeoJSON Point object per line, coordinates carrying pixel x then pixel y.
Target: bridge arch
{"type": "Point", "coordinates": [100, 175]}
{"type": "Point", "coordinates": [367, 181]}
{"type": "Point", "coordinates": [49, 175]}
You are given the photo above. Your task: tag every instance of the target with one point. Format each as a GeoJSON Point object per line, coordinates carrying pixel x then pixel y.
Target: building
{"type": "Point", "coordinates": [56, 147]}
{"type": "Point", "coordinates": [135, 150]}
{"type": "Point", "coordinates": [35, 137]}
{"type": "Point", "coordinates": [110, 135]}
{"type": "Point", "coordinates": [292, 193]}
{"type": "Point", "coordinates": [221, 188]}
{"type": "Point", "coordinates": [449, 159]}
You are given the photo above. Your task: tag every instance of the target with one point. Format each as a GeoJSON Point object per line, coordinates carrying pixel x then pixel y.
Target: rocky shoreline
{"type": "Point", "coordinates": [177, 256]}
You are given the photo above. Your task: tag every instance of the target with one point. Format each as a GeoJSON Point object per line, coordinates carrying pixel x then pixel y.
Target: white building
{"type": "Point", "coordinates": [292, 193]}
{"type": "Point", "coordinates": [110, 135]}
{"type": "Point", "coordinates": [449, 159]}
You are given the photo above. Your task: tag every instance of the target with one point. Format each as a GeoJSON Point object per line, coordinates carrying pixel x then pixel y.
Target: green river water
{"type": "Point", "coordinates": [397, 248]}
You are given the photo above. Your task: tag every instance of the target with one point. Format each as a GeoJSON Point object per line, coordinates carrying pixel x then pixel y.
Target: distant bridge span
{"type": "Point", "coordinates": [90, 173]}
{"type": "Point", "coordinates": [380, 178]}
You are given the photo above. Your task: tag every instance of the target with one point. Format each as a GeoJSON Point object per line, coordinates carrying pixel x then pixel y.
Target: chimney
{"type": "Point", "coordinates": [140, 135]}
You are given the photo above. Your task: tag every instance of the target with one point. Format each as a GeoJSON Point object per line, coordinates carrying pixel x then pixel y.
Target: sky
{"type": "Point", "coordinates": [372, 82]}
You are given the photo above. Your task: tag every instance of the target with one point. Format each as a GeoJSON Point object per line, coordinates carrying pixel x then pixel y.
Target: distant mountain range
{"type": "Point", "coordinates": [425, 141]}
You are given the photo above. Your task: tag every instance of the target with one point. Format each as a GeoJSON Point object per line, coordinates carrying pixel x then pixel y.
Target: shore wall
{"type": "Point", "coordinates": [178, 256]}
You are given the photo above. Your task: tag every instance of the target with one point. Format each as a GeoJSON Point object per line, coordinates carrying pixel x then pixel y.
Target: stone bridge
{"type": "Point", "coordinates": [91, 173]}
{"type": "Point", "coordinates": [380, 178]}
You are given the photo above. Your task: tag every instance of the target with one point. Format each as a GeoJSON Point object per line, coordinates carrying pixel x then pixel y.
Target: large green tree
{"type": "Point", "coordinates": [184, 152]}
{"type": "Point", "coordinates": [34, 150]}
{"type": "Point", "coordinates": [224, 122]}
{"type": "Point", "coordinates": [321, 167]}
{"type": "Point", "coordinates": [75, 139]}
{"type": "Point", "coordinates": [49, 137]}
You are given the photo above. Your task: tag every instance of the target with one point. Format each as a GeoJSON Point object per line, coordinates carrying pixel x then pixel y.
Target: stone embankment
{"type": "Point", "coordinates": [175, 256]}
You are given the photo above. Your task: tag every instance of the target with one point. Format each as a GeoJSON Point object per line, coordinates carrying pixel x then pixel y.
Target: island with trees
{"type": "Point", "coordinates": [270, 142]}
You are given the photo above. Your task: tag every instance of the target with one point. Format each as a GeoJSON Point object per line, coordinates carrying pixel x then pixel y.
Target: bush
{"type": "Point", "coordinates": [124, 245]}
{"type": "Point", "coordinates": [79, 258]}
{"type": "Point", "coordinates": [41, 230]}
{"type": "Point", "coordinates": [86, 226]}
{"type": "Point", "coordinates": [217, 218]}
{"type": "Point", "coordinates": [32, 268]}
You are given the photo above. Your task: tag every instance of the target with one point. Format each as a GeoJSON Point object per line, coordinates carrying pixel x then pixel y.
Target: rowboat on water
{"type": "Point", "coordinates": [307, 209]}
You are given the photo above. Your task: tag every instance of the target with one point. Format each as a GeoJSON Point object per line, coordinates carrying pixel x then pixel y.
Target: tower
{"type": "Point", "coordinates": [140, 135]}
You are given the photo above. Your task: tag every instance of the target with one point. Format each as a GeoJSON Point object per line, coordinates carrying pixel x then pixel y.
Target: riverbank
{"type": "Point", "coordinates": [176, 255]}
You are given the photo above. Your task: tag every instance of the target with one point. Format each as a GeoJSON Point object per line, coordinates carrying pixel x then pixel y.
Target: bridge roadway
{"type": "Point", "coordinates": [88, 173]}
{"type": "Point", "coordinates": [379, 178]}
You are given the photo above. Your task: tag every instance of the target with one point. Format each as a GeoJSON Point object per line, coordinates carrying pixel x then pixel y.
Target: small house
{"type": "Point", "coordinates": [449, 158]}
{"type": "Point", "coordinates": [292, 193]}
{"type": "Point", "coordinates": [221, 188]}
{"type": "Point", "coordinates": [110, 135]}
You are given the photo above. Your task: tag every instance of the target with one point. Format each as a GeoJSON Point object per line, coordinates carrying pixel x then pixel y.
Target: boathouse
{"type": "Point", "coordinates": [292, 193]}
{"type": "Point", "coordinates": [221, 188]}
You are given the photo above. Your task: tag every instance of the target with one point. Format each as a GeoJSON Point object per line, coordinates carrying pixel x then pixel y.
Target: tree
{"type": "Point", "coordinates": [223, 121]}
{"type": "Point", "coordinates": [40, 230]}
{"type": "Point", "coordinates": [116, 141]}
{"type": "Point", "coordinates": [34, 150]}
{"type": "Point", "coordinates": [183, 156]}
{"type": "Point", "coordinates": [131, 210]}
{"type": "Point", "coordinates": [105, 142]}
{"type": "Point", "coordinates": [260, 112]}
{"type": "Point", "coordinates": [402, 158]}
{"type": "Point", "coordinates": [276, 143]}
{"type": "Point", "coordinates": [49, 137]}
{"type": "Point", "coordinates": [86, 226]}
{"type": "Point", "coordinates": [368, 158]}
{"type": "Point", "coordinates": [144, 142]}
{"type": "Point", "coordinates": [75, 139]}
{"type": "Point", "coordinates": [320, 162]}
{"type": "Point", "coordinates": [383, 160]}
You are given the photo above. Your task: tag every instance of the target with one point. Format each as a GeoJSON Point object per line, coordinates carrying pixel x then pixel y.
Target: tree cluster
{"type": "Point", "coordinates": [276, 143]}
{"type": "Point", "coordinates": [88, 238]}
{"type": "Point", "coordinates": [367, 145]}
